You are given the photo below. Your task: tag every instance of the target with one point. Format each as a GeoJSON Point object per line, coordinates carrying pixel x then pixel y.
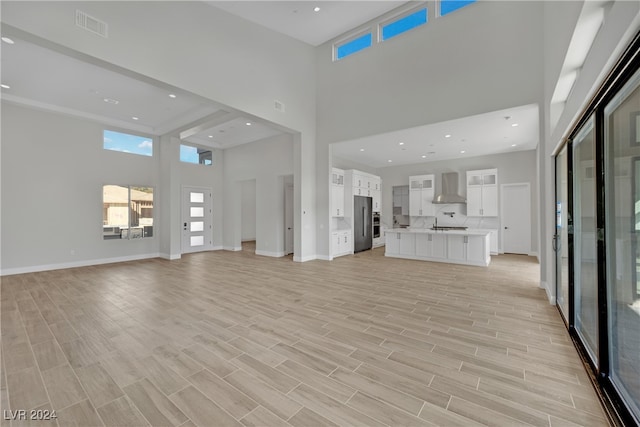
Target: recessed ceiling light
{"type": "Point", "coordinates": [171, 95]}
{"type": "Point", "coordinates": [462, 151]}
{"type": "Point", "coordinates": [513, 145]}
{"type": "Point", "coordinates": [135, 118]}
{"type": "Point", "coordinates": [514, 124]}
{"type": "Point", "coordinates": [210, 136]}
{"type": "Point", "coordinates": [111, 101]}
{"type": "Point", "coordinates": [316, 9]}
{"type": "Point", "coordinates": [389, 160]}
{"type": "Point", "coordinates": [447, 136]}
{"type": "Point", "coordinates": [248, 123]}
{"type": "Point", "coordinates": [362, 149]}
{"type": "Point", "coordinates": [4, 86]}
{"type": "Point", "coordinates": [424, 156]}
{"type": "Point", "coordinates": [402, 143]}
{"type": "Point", "coordinates": [7, 40]}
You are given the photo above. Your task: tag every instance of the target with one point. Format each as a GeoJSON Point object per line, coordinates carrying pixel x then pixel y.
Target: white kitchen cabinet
{"type": "Point", "coordinates": [470, 248]}
{"type": "Point", "coordinates": [477, 249]}
{"type": "Point", "coordinates": [407, 244]}
{"type": "Point", "coordinates": [482, 193]}
{"type": "Point", "coordinates": [341, 243]}
{"type": "Point", "coordinates": [377, 200]}
{"type": "Point", "coordinates": [400, 244]}
{"type": "Point", "coordinates": [456, 248]}
{"type": "Point", "coordinates": [421, 193]}
{"type": "Point", "coordinates": [493, 239]}
{"type": "Point", "coordinates": [337, 200]}
{"type": "Point", "coordinates": [337, 193]}
{"type": "Point", "coordinates": [392, 243]}
{"type": "Point", "coordinates": [431, 245]}
{"type": "Point", "coordinates": [439, 246]}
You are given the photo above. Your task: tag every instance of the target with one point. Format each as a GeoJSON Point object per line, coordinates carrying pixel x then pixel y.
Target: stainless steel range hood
{"type": "Point", "coordinates": [449, 190]}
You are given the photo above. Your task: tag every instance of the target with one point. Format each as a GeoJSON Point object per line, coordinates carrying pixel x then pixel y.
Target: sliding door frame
{"type": "Point", "coordinates": [624, 69]}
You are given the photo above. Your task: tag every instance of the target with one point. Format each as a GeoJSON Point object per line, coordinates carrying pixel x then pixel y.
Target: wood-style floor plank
{"type": "Point", "coordinates": [231, 338]}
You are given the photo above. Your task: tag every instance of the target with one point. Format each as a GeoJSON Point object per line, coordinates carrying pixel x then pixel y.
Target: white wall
{"type": "Point", "coordinates": [53, 170]}
{"type": "Point", "coordinates": [192, 175]}
{"type": "Point", "coordinates": [196, 47]}
{"type": "Point", "coordinates": [621, 22]}
{"type": "Point", "coordinates": [266, 161]}
{"type": "Point", "coordinates": [248, 207]}
{"type": "Point", "coordinates": [516, 167]}
{"type": "Point", "coordinates": [482, 58]}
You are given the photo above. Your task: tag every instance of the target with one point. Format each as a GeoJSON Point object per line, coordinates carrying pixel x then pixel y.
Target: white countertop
{"type": "Point", "coordinates": [469, 232]}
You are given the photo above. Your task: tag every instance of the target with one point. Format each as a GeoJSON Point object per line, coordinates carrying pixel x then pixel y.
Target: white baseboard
{"type": "Point", "coordinates": [271, 254]}
{"type": "Point", "coordinates": [171, 257]}
{"type": "Point", "coordinates": [217, 248]}
{"type": "Point", "coordinates": [304, 259]}
{"type": "Point", "coordinates": [535, 254]}
{"type": "Point", "coordinates": [74, 264]}
{"type": "Point", "coordinates": [552, 299]}
{"type": "Point", "coordinates": [324, 257]}
{"type": "Point", "coordinates": [232, 248]}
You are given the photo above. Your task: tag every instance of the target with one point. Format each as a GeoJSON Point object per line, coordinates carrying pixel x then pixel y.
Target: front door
{"type": "Point", "coordinates": [197, 229]}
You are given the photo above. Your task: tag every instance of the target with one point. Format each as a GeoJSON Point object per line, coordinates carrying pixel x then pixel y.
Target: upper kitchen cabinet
{"type": "Point", "coordinates": [368, 186]}
{"type": "Point", "coordinates": [482, 193]}
{"type": "Point", "coordinates": [421, 194]}
{"type": "Point", "coordinates": [337, 192]}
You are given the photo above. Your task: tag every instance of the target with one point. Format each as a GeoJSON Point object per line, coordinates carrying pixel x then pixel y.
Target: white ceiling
{"type": "Point", "coordinates": [298, 19]}
{"type": "Point", "coordinates": [488, 133]}
{"type": "Point", "coordinates": [50, 80]}
{"type": "Point", "coordinates": [68, 83]}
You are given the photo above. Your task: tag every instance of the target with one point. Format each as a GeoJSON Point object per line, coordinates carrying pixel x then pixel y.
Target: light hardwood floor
{"type": "Point", "coordinates": [230, 338]}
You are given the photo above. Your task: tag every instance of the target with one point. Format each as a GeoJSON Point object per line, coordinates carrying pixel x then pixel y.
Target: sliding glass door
{"type": "Point", "coordinates": [585, 261]}
{"type": "Point", "coordinates": [622, 204]}
{"type": "Point", "coordinates": [561, 238]}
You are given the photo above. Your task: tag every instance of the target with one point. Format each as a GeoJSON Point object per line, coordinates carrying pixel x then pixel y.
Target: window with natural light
{"type": "Point", "coordinates": [196, 155]}
{"type": "Point", "coordinates": [126, 143]}
{"type": "Point", "coordinates": [352, 45]}
{"type": "Point", "coordinates": [448, 6]}
{"type": "Point", "coordinates": [127, 212]}
{"type": "Point", "coordinates": [402, 24]}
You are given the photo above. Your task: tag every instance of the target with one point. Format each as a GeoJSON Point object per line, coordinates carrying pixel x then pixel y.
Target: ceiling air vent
{"type": "Point", "coordinates": [92, 24]}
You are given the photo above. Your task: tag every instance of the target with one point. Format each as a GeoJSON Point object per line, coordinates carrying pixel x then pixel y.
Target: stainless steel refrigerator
{"type": "Point", "coordinates": [362, 223]}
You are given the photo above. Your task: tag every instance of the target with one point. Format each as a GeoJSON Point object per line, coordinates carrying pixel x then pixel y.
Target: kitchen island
{"type": "Point", "coordinates": [470, 247]}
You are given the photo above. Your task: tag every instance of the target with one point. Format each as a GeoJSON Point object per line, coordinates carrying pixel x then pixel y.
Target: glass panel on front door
{"type": "Point", "coordinates": [196, 212]}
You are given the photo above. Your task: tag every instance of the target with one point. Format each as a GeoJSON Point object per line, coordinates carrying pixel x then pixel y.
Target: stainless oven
{"type": "Point", "coordinates": [376, 224]}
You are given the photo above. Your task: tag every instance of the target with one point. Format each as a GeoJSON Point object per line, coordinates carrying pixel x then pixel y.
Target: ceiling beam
{"type": "Point", "coordinates": [212, 120]}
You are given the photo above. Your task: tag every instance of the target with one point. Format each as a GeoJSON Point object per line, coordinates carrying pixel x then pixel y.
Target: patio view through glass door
{"type": "Point", "coordinates": [584, 234]}
{"type": "Point", "coordinates": [622, 210]}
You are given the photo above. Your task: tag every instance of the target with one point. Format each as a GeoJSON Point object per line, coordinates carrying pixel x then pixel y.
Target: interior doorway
{"type": "Point", "coordinates": [248, 214]}
{"type": "Point", "coordinates": [288, 217]}
{"type": "Point", "coordinates": [516, 218]}
{"type": "Point", "coordinates": [197, 219]}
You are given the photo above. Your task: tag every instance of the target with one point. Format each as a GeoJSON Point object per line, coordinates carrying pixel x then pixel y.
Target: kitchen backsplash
{"type": "Point", "coordinates": [455, 216]}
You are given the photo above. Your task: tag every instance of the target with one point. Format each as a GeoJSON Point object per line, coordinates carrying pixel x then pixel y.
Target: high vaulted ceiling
{"type": "Point", "coordinates": [66, 82]}
{"type": "Point", "coordinates": [301, 20]}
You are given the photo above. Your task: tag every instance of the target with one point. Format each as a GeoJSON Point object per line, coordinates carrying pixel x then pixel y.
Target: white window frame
{"type": "Point", "coordinates": [400, 15]}
{"type": "Point", "coordinates": [351, 37]}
